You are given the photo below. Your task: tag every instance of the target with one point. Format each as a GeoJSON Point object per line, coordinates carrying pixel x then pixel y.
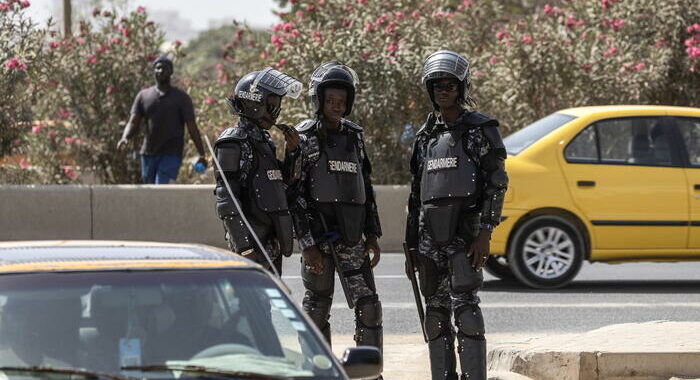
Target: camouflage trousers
{"type": "Point", "coordinates": [320, 287]}
{"type": "Point", "coordinates": [439, 256]}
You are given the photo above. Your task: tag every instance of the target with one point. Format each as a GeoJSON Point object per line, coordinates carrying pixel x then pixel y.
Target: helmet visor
{"type": "Point", "coordinates": [277, 82]}
{"type": "Point", "coordinates": [445, 63]}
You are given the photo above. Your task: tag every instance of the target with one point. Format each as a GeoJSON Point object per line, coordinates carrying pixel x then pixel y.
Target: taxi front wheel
{"type": "Point", "coordinates": [546, 252]}
{"type": "Point", "coordinates": [498, 267]}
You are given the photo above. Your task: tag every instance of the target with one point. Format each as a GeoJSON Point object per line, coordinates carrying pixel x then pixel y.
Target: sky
{"type": "Point", "coordinates": [182, 19]}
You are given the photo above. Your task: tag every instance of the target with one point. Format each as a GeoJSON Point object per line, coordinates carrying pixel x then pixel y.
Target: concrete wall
{"type": "Point", "coordinates": [170, 213]}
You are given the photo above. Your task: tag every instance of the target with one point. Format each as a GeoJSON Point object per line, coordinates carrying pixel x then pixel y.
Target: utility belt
{"type": "Point", "coordinates": [345, 223]}
{"type": "Point", "coordinates": [446, 219]}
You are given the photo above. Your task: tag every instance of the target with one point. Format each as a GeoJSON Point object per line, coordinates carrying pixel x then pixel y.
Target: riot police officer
{"type": "Point", "coordinates": [334, 209]}
{"type": "Point", "coordinates": [457, 191]}
{"type": "Point", "coordinates": [258, 179]}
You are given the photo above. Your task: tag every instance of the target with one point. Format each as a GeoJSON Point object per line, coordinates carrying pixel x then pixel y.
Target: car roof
{"type": "Point", "coordinates": [95, 255]}
{"type": "Point", "coordinates": [583, 111]}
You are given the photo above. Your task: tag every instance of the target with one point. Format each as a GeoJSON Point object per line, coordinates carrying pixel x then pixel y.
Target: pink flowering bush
{"type": "Point", "coordinates": [22, 59]}
{"type": "Point", "coordinates": [590, 52]}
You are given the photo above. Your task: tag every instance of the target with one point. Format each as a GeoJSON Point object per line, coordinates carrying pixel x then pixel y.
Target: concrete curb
{"type": "Point", "coordinates": [641, 351]}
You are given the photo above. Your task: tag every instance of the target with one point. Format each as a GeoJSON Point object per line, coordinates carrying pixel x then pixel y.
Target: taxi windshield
{"type": "Point", "coordinates": [520, 140]}
{"type": "Point", "coordinates": [148, 324]}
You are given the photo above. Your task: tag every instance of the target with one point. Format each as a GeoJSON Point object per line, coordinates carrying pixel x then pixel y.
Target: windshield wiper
{"type": "Point", "coordinates": [68, 371]}
{"type": "Point", "coordinates": [202, 370]}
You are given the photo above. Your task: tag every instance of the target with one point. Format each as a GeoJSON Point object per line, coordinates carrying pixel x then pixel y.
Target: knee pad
{"type": "Point", "coordinates": [368, 320]}
{"type": "Point", "coordinates": [437, 323]}
{"type": "Point", "coordinates": [470, 321]}
{"type": "Point", "coordinates": [320, 284]}
{"type": "Point", "coordinates": [368, 312]}
{"type": "Point", "coordinates": [427, 275]}
{"type": "Point", "coordinates": [463, 277]}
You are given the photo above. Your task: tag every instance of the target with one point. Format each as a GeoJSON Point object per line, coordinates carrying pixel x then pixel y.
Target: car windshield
{"type": "Point", "coordinates": [518, 141]}
{"type": "Point", "coordinates": [218, 320]}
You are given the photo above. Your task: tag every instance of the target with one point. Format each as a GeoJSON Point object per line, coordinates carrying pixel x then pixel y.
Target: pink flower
{"type": "Point", "coordinates": [467, 3]}
{"type": "Point", "coordinates": [68, 140]}
{"type": "Point", "coordinates": [693, 28]}
{"type": "Point", "coordinates": [570, 22]}
{"type": "Point", "coordinates": [36, 129]}
{"type": "Point", "coordinates": [23, 164]}
{"type": "Point", "coordinates": [321, 3]}
{"type": "Point", "coordinates": [25, 4]}
{"type": "Point", "coordinates": [399, 15]}
{"type": "Point", "coordinates": [282, 62]}
{"type": "Point", "coordinates": [361, 1]}
{"type": "Point", "coordinates": [493, 60]}
{"type": "Point", "coordinates": [299, 14]}
{"type": "Point", "coordinates": [448, 14]}
{"type": "Point", "coordinates": [177, 43]}
{"type": "Point", "coordinates": [15, 64]}
{"type": "Point", "coordinates": [415, 15]}
{"type": "Point", "coordinates": [70, 173]}
{"type": "Point", "coordinates": [311, 8]}
{"type": "Point", "coordinates": [526, 39]}
{"type": "Point", "coordinates": [140, 9]}
{"type": "Point", "coordinates": [102, 49]}
{"type": "Point", "coordinates": [209, 100]}
{"type": "Point", "coordinates": [78, 142]}
{"type": "Point", "coordinates": [349, 8]}
{"type": "Point", "coordinates": [109, 90]}
{"type": "Point", "coordinates": [115, 41]}
{"type": "Point", "coordinates": [80, 41]}
{"type": "Point", "coordinates": [392, 47]}
{"type": "Point", "coordinates": [605, 4]}
{"type": "Point", "coordinates": [586, 67]}
{"type": "Point", "coordinates": [64, 113]}
{"type": "Point", "coordinates": [639, 66]}
{"type": "Point", "coordinates": [288, 27]}
{"type": "Point", "coordinates": [54, 45]}
{"type": "Point", "coordinates": [693, 52]}
{"type": "Point", "coordinates": [610, 51]}
{"type": "Point", "coordinates": [4, 7]}
{"type": "Point", "coordinates": [276, 27]}
{"type": "Point", "coordinates": [501, 35]}
{"type": "Point", "coordinates": [125, 31]}
{"type": "Point", "coordinates": [91, 59]}
{"type": "Point", "coordinates": [547, 9]}
{"type": "Point", "coordinates": [318, 40]}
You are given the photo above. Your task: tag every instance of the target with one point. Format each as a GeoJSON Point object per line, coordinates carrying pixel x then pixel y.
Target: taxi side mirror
{"type": "Point", "coordinates": [362, 362]}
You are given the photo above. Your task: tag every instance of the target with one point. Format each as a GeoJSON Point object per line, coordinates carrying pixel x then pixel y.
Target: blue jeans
{"type": "Point", "coordinates": [160, 169]}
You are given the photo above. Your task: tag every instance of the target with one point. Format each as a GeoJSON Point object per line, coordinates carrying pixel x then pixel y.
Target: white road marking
{"type": "Point", "coordinates": [612, 305]}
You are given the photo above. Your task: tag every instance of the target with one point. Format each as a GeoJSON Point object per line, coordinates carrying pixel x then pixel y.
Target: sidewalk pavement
{"type": "Point", "coordinates": [658, 350]}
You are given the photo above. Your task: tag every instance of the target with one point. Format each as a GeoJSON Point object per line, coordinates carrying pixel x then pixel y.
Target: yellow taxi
{"type": "Point", "coordinates": [603, 184]}
{"type": "Point", "coordinates": [127, 310]}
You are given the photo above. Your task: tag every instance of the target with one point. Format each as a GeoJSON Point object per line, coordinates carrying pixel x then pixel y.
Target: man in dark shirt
{"type": "Point", "coordinates": [166, 109]}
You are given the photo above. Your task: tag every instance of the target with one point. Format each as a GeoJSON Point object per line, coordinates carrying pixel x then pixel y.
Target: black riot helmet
{"type": "Point", "coordinates": [447, 64]}
{"type": "Point", "coordinates": [249, 98]}
{"type": "Point", "coordinates": [336, 75]}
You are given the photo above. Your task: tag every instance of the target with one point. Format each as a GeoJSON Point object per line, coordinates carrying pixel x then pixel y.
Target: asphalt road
{"type": "Point", "coordinates": [601, 295]}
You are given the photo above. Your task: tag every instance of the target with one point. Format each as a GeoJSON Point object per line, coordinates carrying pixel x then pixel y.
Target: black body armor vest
{"type": "Point", "coordinates": [448, 184]}
{"type": "Point", "coordinates": [267, 184]}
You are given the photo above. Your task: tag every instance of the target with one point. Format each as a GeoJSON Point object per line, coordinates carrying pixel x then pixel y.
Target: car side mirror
{"type": "Point", "coordinates": [362, 362]}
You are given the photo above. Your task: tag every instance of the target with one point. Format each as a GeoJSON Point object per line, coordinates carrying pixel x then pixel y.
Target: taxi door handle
{"type": "Point", "coordinates": [586, 183]}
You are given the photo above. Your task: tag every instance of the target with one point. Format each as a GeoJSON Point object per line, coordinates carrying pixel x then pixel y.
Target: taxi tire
{"type": "Point", "coordinates": [498, 267]}
{"type": "Point", "coordinates": [516, 259]}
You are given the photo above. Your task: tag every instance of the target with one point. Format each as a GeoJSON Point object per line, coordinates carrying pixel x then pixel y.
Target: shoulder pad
{"type": "Point", "coordinates": [232, 134]}
{"type": "Point", "coordinates": [306, 125]}
{"type": "Point", "coordinates": [429, 122]}
{"type": "Point", "coordinates": [351, 125]}
{"type": "Point", "coordinates": [480, 120]}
